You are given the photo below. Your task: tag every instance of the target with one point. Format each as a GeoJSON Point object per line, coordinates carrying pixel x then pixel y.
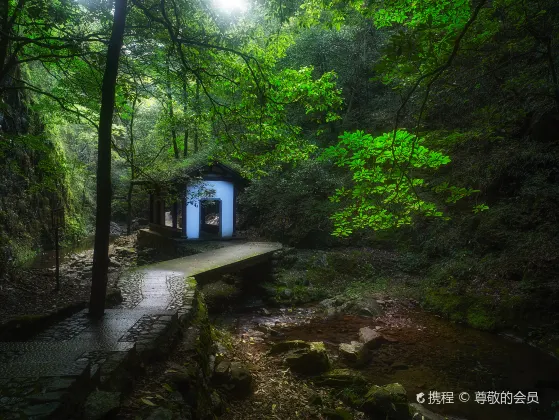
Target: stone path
{"type": "Point", "coordinates": [51, 375]}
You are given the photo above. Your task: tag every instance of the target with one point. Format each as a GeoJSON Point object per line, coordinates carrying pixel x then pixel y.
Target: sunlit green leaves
{"type": "Point", "coordinates": [384, 193]}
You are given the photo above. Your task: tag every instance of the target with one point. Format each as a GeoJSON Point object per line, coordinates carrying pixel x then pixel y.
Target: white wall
{"type": "Point", "coordinates": [224, 192]}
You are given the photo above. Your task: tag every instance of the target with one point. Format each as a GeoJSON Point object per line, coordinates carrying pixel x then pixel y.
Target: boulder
{"type": "Point", "coordinates": [114, 295]}
{"type": "Point", "coordinates": [312, 360]}
{"type": "Point", "coordinates": [341, 305]}
{"type": "Point", "coordinates": [221, 371]}
{"type": "Point", "coordinates": [240, 380]}
{"type": "Point", "coordinates": [331, 303]}
{"type": "Point", "coordinates": [180, 375]}
{"type": "Point", "coordinates": [354, 353]}
{"type": "Point", "coordinates": [363, 307]}
{"type": "Point", "coordinates": [341, 378]}
{"type": "Point", "coordinates": [287, 345]}
{"type": "Point", "coordinates": [337, 414]}
{"type": "Point", "coordinates": [388, 401]}
{"type": "Point", "coordinates": [101, 404]}
{"type": "Point", "coordinates": [370, 338]}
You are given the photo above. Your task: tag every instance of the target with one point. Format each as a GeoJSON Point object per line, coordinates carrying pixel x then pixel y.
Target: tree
{"type": "Point", "coordinates": [104, 187]}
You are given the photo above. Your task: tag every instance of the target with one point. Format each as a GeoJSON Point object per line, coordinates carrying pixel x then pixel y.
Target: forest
{"type": "Point", "coordinates": [403, 154]}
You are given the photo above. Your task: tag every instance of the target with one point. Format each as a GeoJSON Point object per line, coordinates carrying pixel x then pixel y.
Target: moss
{"type": "Point", "coordinates": [284, 346]}
{"type": "Point", "coordinates": [317, 346]}
{"type": "Point", "coordinates": [343, 378]}
{"type": "Point", "coordinates": [478, 317]}
{"type": "Point", "coordinates": [354, 396]}
{"type": "Point", "coordinates": [219, 294]}
{"type": "Point", "coordinates": [191, 282]}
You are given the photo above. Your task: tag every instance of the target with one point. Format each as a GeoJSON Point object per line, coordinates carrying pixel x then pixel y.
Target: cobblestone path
{"type": "Point", "coordinates": [50, 375]}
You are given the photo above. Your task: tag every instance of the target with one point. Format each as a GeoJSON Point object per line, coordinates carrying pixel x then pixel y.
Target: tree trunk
{"type": "Point", "coordinates": [132, 171]}
{"type": "Point", "coordinates": [185, 111]}
{"type": "Point", "coordinates": [129, 208]}
{"type": "Point", "coordinates": [103, 211]}
{"type": "Point", "coordinates": [197, 102]}
{"type": "Point", "coordinates": [6, 28]}
{"type": "Point", "coordinates": [173, 128]}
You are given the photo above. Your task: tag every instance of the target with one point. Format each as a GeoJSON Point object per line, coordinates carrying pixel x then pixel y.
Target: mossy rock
{"type": "Point", "coordinates": [311, 361]}
{"type": "Point", "coordinates": [341, 378]}
{"type": "Point", "coordinates": [388, 401]}
{"type": "Point", "coordinates": [284, 346]}
{"type": "Point", "coordinates": [354, 395]}
{"type": "Point", "coordinates": [241, 380]}
{"type": "Point", "coordinates": [337, 414]}
{"type": "Point", "coordinates": [219, 294]}
{"type": "Point", "coordinates": [354, 353]}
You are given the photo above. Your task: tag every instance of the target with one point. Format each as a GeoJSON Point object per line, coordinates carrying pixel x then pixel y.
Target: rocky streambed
{"type": "Point", "coordinates": [374, 358]}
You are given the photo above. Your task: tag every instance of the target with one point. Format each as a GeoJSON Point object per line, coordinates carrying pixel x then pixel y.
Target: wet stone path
{"type": "Point", "coordinates": [50, 375]}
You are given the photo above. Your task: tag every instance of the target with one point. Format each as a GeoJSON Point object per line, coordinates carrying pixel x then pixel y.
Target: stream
{"type": "Point", "coordinates": [425, 353]}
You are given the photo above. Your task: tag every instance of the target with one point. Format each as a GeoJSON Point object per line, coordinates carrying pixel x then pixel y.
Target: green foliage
{"type": "Point", "coordinates": [291, 205]}
{"type": "Point", "coordinates": [383, 194]}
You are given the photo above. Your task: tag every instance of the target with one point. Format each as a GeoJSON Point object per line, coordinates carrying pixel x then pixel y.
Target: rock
{"type": "Point", "coordinates": [370, 338]}
{"type": "Point", "coordinates": [340, 305]}
{"type": "Point", "coordinates": [284, 346]}
{"type": "Point", "coordinates": [341, 378]}
{"type": "Point", "coordinates": [220, 350]}
{"type": "Point", "coordinates": [114, 296]}
{"type": "Point", "coordinates": [331, 302]}
{"type": "Point", "coordinates": [312, 360]}
{"type": "Point", "coordinates": [124, 252]}
{"type": "Point", "coordinates": [265, 312]}
{"type": "Point", "coordinates": [161, 413]}
{"type": "Point", "coordinates": [363, 307]}
{"type": "Point", "coordinates": [101, 404]}
{"type": "Point", "coordinates": [221, 372]}
{"type": "Point", "coordinates": [179, 375]}
{"type": "Point", "coordinates": [355, 353]}
{"type": "Point", "coordinates": [286, 293]}
{"type": "Point", "coordinates": [388, 401]}
{"type": "Point", "coordinates": [337, 414]}
{"type": "Point", "coordinates": [240, 379]}
{"type": "Point", "coordinates": [115, 229]}
{"type": "Point", "coordinates": [254, 333]}
{"type": "Point", "coordinates": [267, 330]}
{"type": "Point", "coordinates": [114, 263]}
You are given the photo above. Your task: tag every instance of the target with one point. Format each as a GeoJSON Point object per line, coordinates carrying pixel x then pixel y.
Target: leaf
{"type": "Point", "coordinates": [148, 402]}
{"type": "Point", "coordinates": [168, 387]}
